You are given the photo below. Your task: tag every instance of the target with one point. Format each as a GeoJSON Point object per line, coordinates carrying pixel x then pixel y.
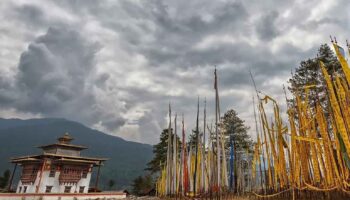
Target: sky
{"type": "Point", "coordinates": [115, 65]}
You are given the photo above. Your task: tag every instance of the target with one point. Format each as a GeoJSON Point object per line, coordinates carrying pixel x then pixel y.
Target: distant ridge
{"type": "Point", "coordinates": [127, 159]}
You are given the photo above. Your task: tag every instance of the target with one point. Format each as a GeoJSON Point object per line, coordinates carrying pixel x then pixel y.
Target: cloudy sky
{"type": "Point", "coordinates": [115, 65]}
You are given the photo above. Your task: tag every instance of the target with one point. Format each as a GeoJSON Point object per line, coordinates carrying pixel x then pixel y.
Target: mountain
{"type": "Point", "coordinates": [127, 160]}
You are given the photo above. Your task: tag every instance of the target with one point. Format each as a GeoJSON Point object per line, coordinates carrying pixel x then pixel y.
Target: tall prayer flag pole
{"type": "Point", "coordinates": [196, 158]}
{"type": "Point", "coordinates": [218, 153]}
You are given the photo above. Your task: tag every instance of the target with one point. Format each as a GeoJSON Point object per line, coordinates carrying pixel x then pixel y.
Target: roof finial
{"type": "Point", "coordinates": [65, 139]}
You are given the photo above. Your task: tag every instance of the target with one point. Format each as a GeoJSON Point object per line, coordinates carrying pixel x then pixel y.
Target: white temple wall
{"type": "Point", "coordinates": [46, 180]}
{"type": "Point", "coordinates": [84, 182]}
{"type": "Point", "coordinates": [67, 152]}
{"type": "Point", "coordinates": [31, 188]}
{"type": "Point", "coordinates": [62, 186]}
{"type": "Point", "coordinates": [54, 182]}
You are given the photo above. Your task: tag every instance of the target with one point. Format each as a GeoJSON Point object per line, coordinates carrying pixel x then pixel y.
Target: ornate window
{"type": "Point", "coordinates": [84, 174]}
{"type": "Point", "coordinates": [67, 189]}
{"type": "Point", "coordinates": [29, 173]}
{"type": "Point", "coordinates": [71, 174]}
{"type": "Point", "coordinates": [48, 189]}
{"type": "Point", "coordinates": [52, 172]}
{"type": "Point", "coordinates": [81, 189]}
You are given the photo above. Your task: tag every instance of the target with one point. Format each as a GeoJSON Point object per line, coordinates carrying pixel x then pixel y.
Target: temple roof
{"type": "Point", "coordinates": [57, 157]}
{"type": "Point", "coordinates": [65, 139]}
{"type": "Point", "coordinates": [63, 143]}
{"type": "Point", "coordinates": [78, 147]}
{"type": "Point", "coordinates": [25, 159]}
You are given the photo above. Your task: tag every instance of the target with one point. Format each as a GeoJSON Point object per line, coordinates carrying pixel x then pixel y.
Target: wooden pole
{"type": "Point", "coordinates": [168, 165]}
{"type": "Point", "coordinates": [184, 159]}
{"type": "Point", "coordinates": [11, 179]}
{"type": "Point", "coordinates": [41, 174]}
{"type": "Point", "coordinates": [257, 136]}
{"type": "Point", "coordinates": [98, 175]}
{"type": "Point", "coordinates": [196, 159]}
{"type": "Point", "coordinates": [260, 124]}
{"type": "Point", "coordinates": [203, 146]}
{"type": "Point", "coordinates": [174, 181]}
{"type": "Point", "coordinates": [218, 156]}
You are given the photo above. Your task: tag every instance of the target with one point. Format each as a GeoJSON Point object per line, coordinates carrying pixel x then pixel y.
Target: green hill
{"type": "Point", "coordinates": [127, 160]}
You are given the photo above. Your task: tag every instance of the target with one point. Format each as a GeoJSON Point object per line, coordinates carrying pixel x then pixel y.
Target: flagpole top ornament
{"type": "Point", "coordinates": [331, 38]}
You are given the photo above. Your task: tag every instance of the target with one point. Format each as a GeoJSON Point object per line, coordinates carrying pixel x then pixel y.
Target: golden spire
{"type": "Point", "coordinates": [65, 139]}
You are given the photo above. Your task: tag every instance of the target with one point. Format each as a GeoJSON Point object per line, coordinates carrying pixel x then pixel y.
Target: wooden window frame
{"type": "Point", "coordinates": [48, 188]}
{"type": "Point", "coordinates": [81, 189]}
{"type": "Point", "coordinates": [66, 188]}
{"type": "Point", "coordinates": [52, 172]}
{"type": "Point", "coordinates": [84, 174]}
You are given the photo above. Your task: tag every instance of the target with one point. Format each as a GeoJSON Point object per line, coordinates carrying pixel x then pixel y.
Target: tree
{"type": "Point", "coordinates": [192, 138]}
{"type": "Point", "coordinates": [233, 128]}
{"type": "Point", "coordinates": [160, 152]}
{"type": "Point", "coordinates": [4, 180]}
{"type": "Point", "coordinates": [111, 183]}
{"type": "Point", "coordinates": [141, 185]}
{"type": "Point", "coordinates": [309, 73]}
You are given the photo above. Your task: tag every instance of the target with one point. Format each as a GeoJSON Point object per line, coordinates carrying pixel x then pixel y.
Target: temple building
{"type": "Point", "coordinates": [60, 168]}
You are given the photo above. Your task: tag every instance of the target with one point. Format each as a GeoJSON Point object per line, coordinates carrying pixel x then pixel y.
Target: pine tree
{"type": "Point", "coordinates": [309, 73]}
{"type": "Point", "coordinates": [160, 152]}
{"type": "Point", "coordinates": [142, 184]}
{"type": "Point", "coordinates": [233, 128]}
{"type": "Point", "coordinates": [4, 180]}
{"type": "Point", "coordinates": [192, 138]}
{"type": "Point", "coordinates": [111, 183]}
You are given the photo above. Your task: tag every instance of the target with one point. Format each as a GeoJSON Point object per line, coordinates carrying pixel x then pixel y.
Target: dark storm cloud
{"type": "Point", "coordinates": [31, 13]}
{"type": "Point", "coordinates": [176, 37]}
{"type": "Point", "coordinates": [266, 27]}
{"type": "Point", "coordinates": [34, 17]}
{"type": "Point", "coordinates": [53, 79]}
{"type": "Point", "coordinates": [314, 24]}
{"type": "Point", "coordinates": [54, 70]}
{"type": "Point", "coordinates": [151, 53]}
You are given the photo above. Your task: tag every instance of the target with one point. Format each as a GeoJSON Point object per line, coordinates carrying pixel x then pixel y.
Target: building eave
{"type": "Point", "coordinates": [65, 160]}
{"type": "Point", "coordinates": [41, 156]}
{"type": "Point", "coordinates": [22, 160]}
{"type": "Point", "coordinates": [75, 157]}
{"type": "Point", "coordinates": [63, 145]}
